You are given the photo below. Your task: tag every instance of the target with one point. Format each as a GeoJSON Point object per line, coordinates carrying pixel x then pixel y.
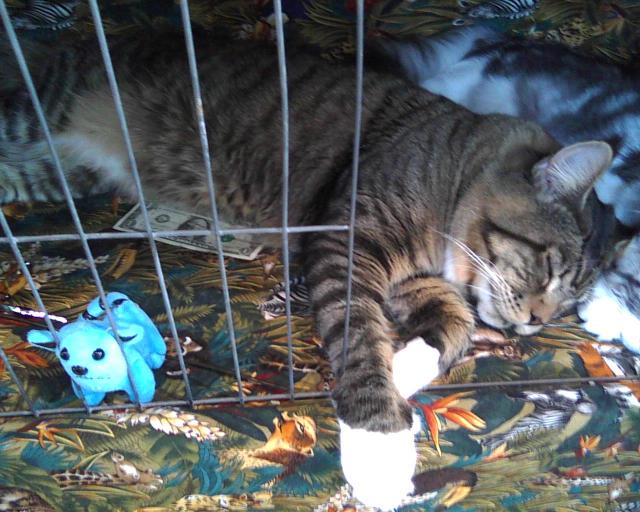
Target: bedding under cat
{"type": "Point", "coordinates": [453, 208]}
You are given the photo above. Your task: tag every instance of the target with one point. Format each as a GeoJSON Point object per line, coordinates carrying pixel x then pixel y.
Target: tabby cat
{"type": "Point", "coordinates": [453, 208]}
{"type": "Point", "coordinates": [574, 98]}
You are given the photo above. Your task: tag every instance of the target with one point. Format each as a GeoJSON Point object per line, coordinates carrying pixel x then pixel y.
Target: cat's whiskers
{"type": "Point", "coordinates": [483, 273]}
{"type": "Point", "coordinates": [493, 276]}
{"type": "Point", "coordinates": [484, 266]}
{"type": "Point", "coordinates": [483, 290]}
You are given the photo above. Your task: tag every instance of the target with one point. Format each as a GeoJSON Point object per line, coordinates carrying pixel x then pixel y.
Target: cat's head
{"type": "Point", "coordinates": [521, 235]}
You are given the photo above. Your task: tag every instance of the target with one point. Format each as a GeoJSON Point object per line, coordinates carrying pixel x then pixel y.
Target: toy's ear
{"type": "Point", "coordinates": [42, 339]}
{"type": "Point", "coordinates": [95, 310]}
{"type": "Point", "coordinates": [116, 299]}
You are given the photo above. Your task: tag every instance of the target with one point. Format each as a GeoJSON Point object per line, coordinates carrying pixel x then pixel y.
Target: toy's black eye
{"type": "Point", "coordinates": [64, 354]}
{"type": "Point", "coordinates": [117, 302]}
{"type": "Point", "coordinates": [98, 354]}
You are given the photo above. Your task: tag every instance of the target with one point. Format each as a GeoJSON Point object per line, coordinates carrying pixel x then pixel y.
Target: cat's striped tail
{"type": "Point", "coordinates": [423, 58]}
{"type": "Point", "coordinates": [27, 173]}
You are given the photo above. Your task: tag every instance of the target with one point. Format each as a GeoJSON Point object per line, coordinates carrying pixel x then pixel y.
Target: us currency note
{"type": "Point", "coordinates": [243, 247]}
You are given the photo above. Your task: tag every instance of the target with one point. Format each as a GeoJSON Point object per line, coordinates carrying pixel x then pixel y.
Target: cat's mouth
{"type": "Point", "coordinates": [493, 318]}
{"type": "Point", "coordinates": [490, 313]}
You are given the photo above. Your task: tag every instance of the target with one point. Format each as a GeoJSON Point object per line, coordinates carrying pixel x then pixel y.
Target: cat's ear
{"type": "Point", "coordinates": [569, 175]}
{"type": "Point", "coordinates": [42, 339]}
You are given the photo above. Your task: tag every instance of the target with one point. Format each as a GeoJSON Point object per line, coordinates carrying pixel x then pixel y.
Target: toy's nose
{"type": "Point", "coordinates": [79, 370]}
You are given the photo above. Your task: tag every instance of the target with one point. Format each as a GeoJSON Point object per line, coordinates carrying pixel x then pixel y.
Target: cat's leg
{"type": "Point", "coordinates": [432, 314]}
{"type": "Point", "coordinates": [378, 453]}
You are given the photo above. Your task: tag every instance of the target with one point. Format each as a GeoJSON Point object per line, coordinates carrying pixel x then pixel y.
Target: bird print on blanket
{"type": "Point", "coordinates": [274, 305]}
{"type": "Point", "coordinates": [552, 411]}
{"type": "Point", "coordinates": [46, 14]}
{"type": "Point", "coordinates": [500, 9]}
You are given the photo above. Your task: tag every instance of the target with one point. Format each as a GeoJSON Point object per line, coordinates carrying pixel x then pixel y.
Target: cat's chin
{"type": "Point", "coordinates": [527, 330]}
{"type": "Point", "coordinates": [488, 314]}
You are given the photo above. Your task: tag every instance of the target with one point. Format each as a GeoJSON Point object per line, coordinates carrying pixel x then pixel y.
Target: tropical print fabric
{"type": "Point", "coordinates": [487, 442]}
{"type": "Point", "coordinates": [602, 28]}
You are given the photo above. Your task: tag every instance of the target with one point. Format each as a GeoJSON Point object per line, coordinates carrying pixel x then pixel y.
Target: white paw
{"type": "Point", "coordinates": [378, 466]}
{"type": "Point", "coordinates": [415, 366]}
{"type": "Point", "coordinates": [608, 319]}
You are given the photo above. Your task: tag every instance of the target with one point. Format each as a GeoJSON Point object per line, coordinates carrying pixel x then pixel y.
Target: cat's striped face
{"type": "Point", "coordinates": [526, 258]}
{"type": "Point", "coordinates": [529, 283]}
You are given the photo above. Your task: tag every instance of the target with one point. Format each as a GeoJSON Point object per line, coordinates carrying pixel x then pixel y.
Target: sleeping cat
{"type": "Point", "coordinates": [574, 98]}
{"type": "Point", "coordinates": [453, 208]}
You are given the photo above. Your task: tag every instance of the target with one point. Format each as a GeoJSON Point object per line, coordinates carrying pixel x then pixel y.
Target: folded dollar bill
{"type": "Point", "coordinates": [243, 247]}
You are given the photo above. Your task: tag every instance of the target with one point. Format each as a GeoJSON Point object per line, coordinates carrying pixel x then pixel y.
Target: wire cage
{"type": "Point", "coordinates": [150, 235]}
{"type": "Point", "coordinates": [84, 238]}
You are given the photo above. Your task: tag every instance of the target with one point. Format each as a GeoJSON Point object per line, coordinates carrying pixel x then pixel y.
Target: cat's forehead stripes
{"type": "Point", "coordinates": [492, 227]}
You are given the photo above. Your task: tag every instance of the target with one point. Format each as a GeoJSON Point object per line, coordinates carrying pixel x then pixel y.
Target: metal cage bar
{"type": "Point", "coordinates": [36, 295]}
{"type": "Point", "coordinates": [354, 171]}
{"type": "Point", "coordinates": [326, 394]}
{"type": "Point", "coordinates": [26, 75]}
{"type": "Point", "coordinates": [284, 98]}
{"type": "Point", "coordinates": [204, 142]}
{"type": "Point", "coordinates": [117, 100]}
{"type": "Point", "coordinates": [63, 237]}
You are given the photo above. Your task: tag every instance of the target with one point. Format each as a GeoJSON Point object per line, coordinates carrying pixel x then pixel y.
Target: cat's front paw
{"type": "Point", "coordinates": [378, 466]}
{"type": "Point", "coordinates": [415, 366]}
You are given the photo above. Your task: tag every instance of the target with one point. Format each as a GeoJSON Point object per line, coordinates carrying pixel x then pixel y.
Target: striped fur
{"type": "Point", "coordinates": [509, 9]}
{"type": "Point", "coordinates": [611, 310]}
{"type": "Point", "coordinates": [275, 305]}
{"type": "Point", "coordinates": [25, 159]}
{"type": "Point", "coordinates": [572, 96]}
{"type": "Point", "coordinates": [452, 206]}
{"type": "Point", "coordinates": [553, 410]}
{"type": "Point", "coordinates": [45, 14]}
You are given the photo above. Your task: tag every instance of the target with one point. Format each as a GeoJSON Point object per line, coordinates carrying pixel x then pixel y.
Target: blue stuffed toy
{"type": "Point", "coordinates": [95, 362]}
{"type": "Point", "coordinates": [135, 328]}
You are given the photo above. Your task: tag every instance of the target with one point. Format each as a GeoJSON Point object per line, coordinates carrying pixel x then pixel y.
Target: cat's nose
{"type": "Point", "coordinates": [542, 311]}
{"type": "Point", "coordinates": [535, 320]}
{"type": "Point", "coordinates": [79, 370]}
